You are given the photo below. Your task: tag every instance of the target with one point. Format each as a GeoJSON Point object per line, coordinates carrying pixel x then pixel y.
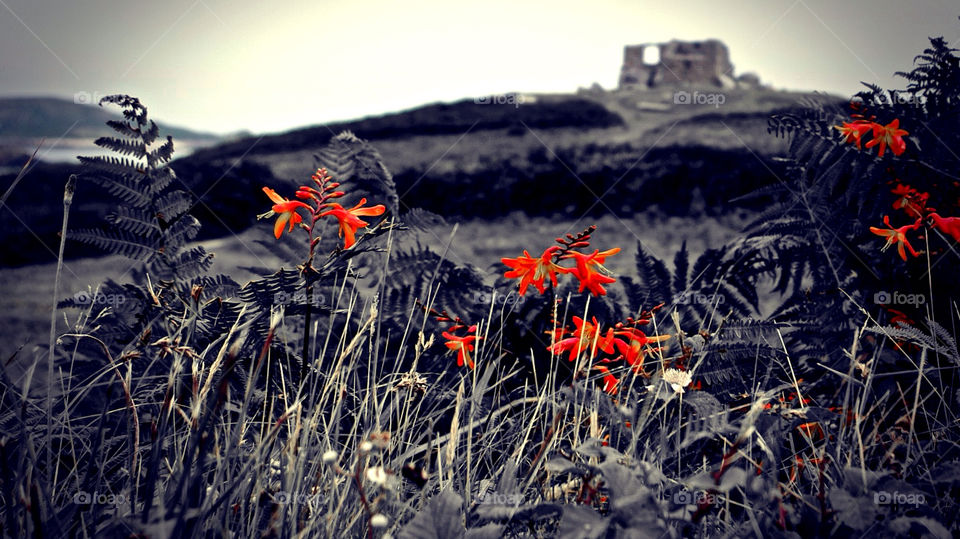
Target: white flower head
{"type": "Point", "coordinates": [329, 457]}
{"type": "Point", "coordinates": [377, 475]}
{"type": "Point", "coordinates": [677, 379]}
{"type": "Point", "coordinates": [379, 521]}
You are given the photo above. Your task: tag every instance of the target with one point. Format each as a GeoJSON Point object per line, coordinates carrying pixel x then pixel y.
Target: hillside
{"type": "Point", "coordinates": [621, 152]}
{"type": "Point", "coordinates": [51, 117]}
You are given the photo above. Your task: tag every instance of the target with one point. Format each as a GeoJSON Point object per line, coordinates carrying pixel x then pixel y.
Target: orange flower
{"type": "Point", "coordinates": [888, 135]}
{"type": "Point", "coordinates": [534, 270]}
{"type": "Point", "coordinates": [811, 429]}
{"type": "Point", "coordinates": [588, 276]}
{"type": "Point", "coordinates": [947, 225]}
{"type": "Point", "coordinates": [610, 382]}
{"type": "Point", "coordinates": [582, 338]}
{"type": "Point", "coordinates": [462, 345]}
{"type": "Point", "coordinates": [853, 131]}
{"type": "Point", "coordinates": [635, 348]}
{"type": "Point", "coordinates": [896, 236]}
{"type": "Point", "coordinates": [910, 201]}
{"type": "Point", "coordinates": [349, 222]}
{"type": "Point", "coordinates": [287, 209]}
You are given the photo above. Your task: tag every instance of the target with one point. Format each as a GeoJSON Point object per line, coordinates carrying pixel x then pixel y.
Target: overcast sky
{"type": "Point", "coordinates": [225, 65]}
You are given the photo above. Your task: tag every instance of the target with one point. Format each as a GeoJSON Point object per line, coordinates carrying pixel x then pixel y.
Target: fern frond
{"type": "Point", "coordinates": [163, 153]}
{"type": "Point", "coordinates": [136, 148]}
{"type": "Point", "coordinates": [173, 205]}
{"type": "Point", "coordinates": [118, 242]}
{"type": "Point", "coordinates": [125, 188]}
{"type": "Point", "coordinates": [653, 286]}
{"type": "Point", "coordinates": [122, 166]}
{"type": "Point", "coordinates": [350, 159]}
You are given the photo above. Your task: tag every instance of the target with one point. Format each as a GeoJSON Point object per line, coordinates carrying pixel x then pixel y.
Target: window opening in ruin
{"type": "Point", "coordinates": [651, 56]}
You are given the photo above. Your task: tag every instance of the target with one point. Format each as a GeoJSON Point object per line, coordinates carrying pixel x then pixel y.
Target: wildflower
{"type": "Point", "coordinates": [588, 276]}
{"type": "Point", "coordinates": [287, 209]}
{"type": "Point", "coordinates": [948, 225]}
{"type": "Point", "coordinates": [413, 381]}
{"type": "Point", "coordinates": [462, 345]}
{"type": "Point", "coordinates": [534, 270]}
{"type": "Point", "coordinates": [896, 236]}
{"type": "Point", "coordinates": [610, 381]}
{"type": "Point", "coordinates": [377, 475]}
{"type": "Point", "coordinates": [586, 336]}
{"type": "Point", "coordinates": [853, 131]}
{"type": "Point", "coordinates": [380, 440]}
{"type": "Point", "coordinates": [379, 521]}
{"type": "Point", "coordinates": [910, 201]}
{"type": "Point", "coordinates": [635, 347]}
{"type": "Point", "coordinates": [677, 379]}
{"type": "Point", "coordinates": [888, 135]}
{"type": "Point", "coordinates": [329, 457]}
{"type": "Point", "coordinates": [349, 220]}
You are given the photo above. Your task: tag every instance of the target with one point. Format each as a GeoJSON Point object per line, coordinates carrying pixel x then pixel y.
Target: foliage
{"type": "Point", "coordinates": [370, 389]}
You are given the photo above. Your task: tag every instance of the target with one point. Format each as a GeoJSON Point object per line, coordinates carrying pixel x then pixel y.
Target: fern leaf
{"type": "Point", "coordinates": [135, 148]}
{"type": "Point", "coordinates": [118, 242]}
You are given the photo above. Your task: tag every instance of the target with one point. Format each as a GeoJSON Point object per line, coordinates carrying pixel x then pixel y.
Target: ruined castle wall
{"type": "Point", "coordinates": [696, 62]}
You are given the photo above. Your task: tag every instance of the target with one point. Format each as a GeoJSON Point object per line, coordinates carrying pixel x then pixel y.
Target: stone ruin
{"type": "Point", "coordinates": [705, 63]}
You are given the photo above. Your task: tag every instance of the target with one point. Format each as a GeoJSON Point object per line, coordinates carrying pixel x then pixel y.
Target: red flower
{"type": "Point", "coordinates": [588, 276]}
{"type": "Point", "coordinates": [636, 347]}
{"type": "Point", "coordinates": [463, 345]}
{"type": "Point", "coordinates": [610, 382]}
{"type": "Point", "coordinates": [287, 209]}
{"type": "Point", "coordinates": [582, 338]}
{"type": "Point", "coordinates": [910, 201]}
{"type": "Point", "coordinates": [896, 236]}
{"type": "Point", "coordinates": [349, 222]}
{"type": "Point", "coordinates": [947, 225]}
{"type": "Point", "coordinates": [888, 135]}
{"type": "Point", "coordinates": [853, 131]}
{"type": "Point", "coordinates": [534, 270]}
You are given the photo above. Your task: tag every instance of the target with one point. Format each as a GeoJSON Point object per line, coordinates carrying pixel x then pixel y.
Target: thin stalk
{"type": "Point", "coordinates": [68, 191]}
{"type": "Point", "coordinates": [307, 315]}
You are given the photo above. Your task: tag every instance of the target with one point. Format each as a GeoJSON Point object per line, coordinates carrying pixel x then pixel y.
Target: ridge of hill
{"type": "Point", "coordinates": [52, 117]}
{"type": "Point", "coordinates": [597, 152]}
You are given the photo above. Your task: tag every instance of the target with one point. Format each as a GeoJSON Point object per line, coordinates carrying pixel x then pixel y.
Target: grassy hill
{"type": "Point", "coordinates": [620, 152]}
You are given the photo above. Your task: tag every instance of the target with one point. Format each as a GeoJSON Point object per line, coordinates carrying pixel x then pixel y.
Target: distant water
{"type": "Point", "coordinates": [68, 152]}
